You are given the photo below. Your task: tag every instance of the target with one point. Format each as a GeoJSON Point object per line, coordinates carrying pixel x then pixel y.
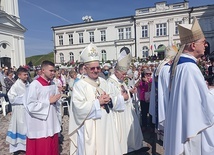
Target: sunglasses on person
{"type": "Point", "coordinates": [148, 73]}
{"type": "Point", "coordinates": [93, 68]}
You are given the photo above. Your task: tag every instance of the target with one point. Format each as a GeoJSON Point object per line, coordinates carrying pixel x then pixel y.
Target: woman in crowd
{"type": "Point", "coordinates": [9, 80]}
{"type": "Point", "coordinates": [72, 80]}
{"type": "Point", "coordinates": [144, 88]}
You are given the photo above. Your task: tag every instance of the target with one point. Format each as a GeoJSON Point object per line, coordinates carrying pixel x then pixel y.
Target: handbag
{"type": "Point", "coordinates": [147, 96]}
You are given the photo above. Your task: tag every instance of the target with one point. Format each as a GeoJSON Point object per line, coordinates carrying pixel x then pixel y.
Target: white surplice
{"type": "Point", "coordinates": [127, 123]}
{"type": "Point", "coordinates": [16, 135]}
{"type": "Point", "coordinates": [152, 102]}
{"type": "Point", "coordinates": [91, 129]}
{"type": "Point", "coordinates": [163, 93]}
{"type": "Point", "coordinates": [163, 96]}
{"type": "Point", "coordinates": [190, 112]}
{"type": "Point", "coordinates": [42, 117]}
{"type": "Point", "coordinates": [158, 104]}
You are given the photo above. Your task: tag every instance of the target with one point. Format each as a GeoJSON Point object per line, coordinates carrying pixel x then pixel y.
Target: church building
{"type": "Point", "coordinates": [12, 49]}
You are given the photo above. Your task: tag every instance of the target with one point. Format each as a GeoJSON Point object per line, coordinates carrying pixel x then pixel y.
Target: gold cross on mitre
{"type": "Point", "coordinates": [93, 52]}
{"type": "Point", "coordinates": [93, 49]}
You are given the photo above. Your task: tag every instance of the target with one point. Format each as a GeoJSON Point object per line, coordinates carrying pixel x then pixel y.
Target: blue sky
{"type": "Point", "coordinates": [38, 16]}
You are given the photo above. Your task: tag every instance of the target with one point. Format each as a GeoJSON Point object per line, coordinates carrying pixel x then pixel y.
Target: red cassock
{"type": "Point", "coordinates": [43, 146]}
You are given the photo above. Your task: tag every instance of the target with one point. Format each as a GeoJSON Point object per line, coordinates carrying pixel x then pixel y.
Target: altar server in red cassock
{"type": "Point", "coordinates": [43, 107]}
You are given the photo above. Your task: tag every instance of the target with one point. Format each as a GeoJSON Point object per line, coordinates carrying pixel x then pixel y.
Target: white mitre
{"type": "Point", "coordinates": [89, 54]}
{"type": "Point", "coordinates": [170, 53]}
{"type": "Point", "coordinates": [124, 60]}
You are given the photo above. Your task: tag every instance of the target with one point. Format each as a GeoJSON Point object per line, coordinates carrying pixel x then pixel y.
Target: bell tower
{"type": "Point", "coordinates": [11, 8]}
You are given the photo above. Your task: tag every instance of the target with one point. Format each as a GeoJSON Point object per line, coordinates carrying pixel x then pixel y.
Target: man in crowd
{"type": "Point", "coordinates": [38, 73]}
{"type": "Point", "coordinates": [3, 75]}
{"type": "Point", "coordinates": [81, 70]}
{"type": "Point", "coordinates": [91, 126]}
{"type": "Point", "coordinates": [127, 123]}
{"type": "Point", "coordinates": [43, 110]}
{"type": "Point", "coordinates": [105, 71]}
{"type": "Point", "coordinates": [190, 114]}
{"type": "Point", "coordinates": [16, 135]}
{"type": "Point", "coordinates": [63, 78]}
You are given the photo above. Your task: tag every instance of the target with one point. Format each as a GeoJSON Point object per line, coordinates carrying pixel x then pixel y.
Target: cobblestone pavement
{"type": "Point", "coordinates": [64, 147]}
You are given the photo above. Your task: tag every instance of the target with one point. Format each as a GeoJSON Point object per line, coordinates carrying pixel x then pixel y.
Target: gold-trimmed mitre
{"type": "Point", "coordinates": [89, 54]}
{"type": "Point", "coordinates": [124, 60]}
{"type": "Point", "coordinates": [190, 32]}
{"type": "Point", "coordinates": [171, 52]}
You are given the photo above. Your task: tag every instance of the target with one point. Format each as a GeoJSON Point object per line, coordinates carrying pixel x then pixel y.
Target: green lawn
{"type": "Point", "coordinates": [37, 59]}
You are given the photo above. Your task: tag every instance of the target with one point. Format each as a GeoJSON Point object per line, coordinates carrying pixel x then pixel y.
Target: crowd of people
{"type": "Point", "coordinates": [113, 105]}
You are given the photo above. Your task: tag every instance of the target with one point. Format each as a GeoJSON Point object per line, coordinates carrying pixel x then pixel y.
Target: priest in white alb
{"type": "Point", "coordinates": [189, 128]}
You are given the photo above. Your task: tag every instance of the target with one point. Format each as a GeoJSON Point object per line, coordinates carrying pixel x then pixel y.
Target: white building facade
{"type": "Point", "coordinates": [144, 33]}
{"type": "Point", "coordinates": [108, 35]}
{"type": "Point", "coordinates": [12, 49]}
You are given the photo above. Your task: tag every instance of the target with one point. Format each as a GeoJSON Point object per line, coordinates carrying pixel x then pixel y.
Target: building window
{"type": "Point", "coordinates": [176, 26]}
{"type": "Point", "coordinates": [4, 45]}
{"type": "Point", "coordinates": [145, 51]}
{"type": "Point", "coordinates": [91, 35]}
{"type": "Point", "coordinates": [61, 55]}
{"type": "Point", "coordinates": [71, 56]}
{"type": "Point", "coordinates": [161, 29]}
{"type": "Point", "coordinates": [103, 35]}
{"type": "Point", "coordinates": [128, 33]}
{"type": "Point", "coordinates": [60, 39]}
{"type": "Point", "coordinates": [120, 32]}
{"type": "Point", "coordinates": [81, 38]}
{"type": "Point", "coordinates": [104, 57]}
{"type": "Point", "coordinates": [144, 31]}
{"type": "Point", "coordinates": [71, 39]}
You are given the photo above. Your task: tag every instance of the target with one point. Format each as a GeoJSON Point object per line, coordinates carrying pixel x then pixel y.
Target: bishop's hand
{"type": "Point", "coordinates": [133, 90]}
{"type": "Point", "coordinates": [125, 95]}
{"type": "Point", "coordinates": [104, 99]}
